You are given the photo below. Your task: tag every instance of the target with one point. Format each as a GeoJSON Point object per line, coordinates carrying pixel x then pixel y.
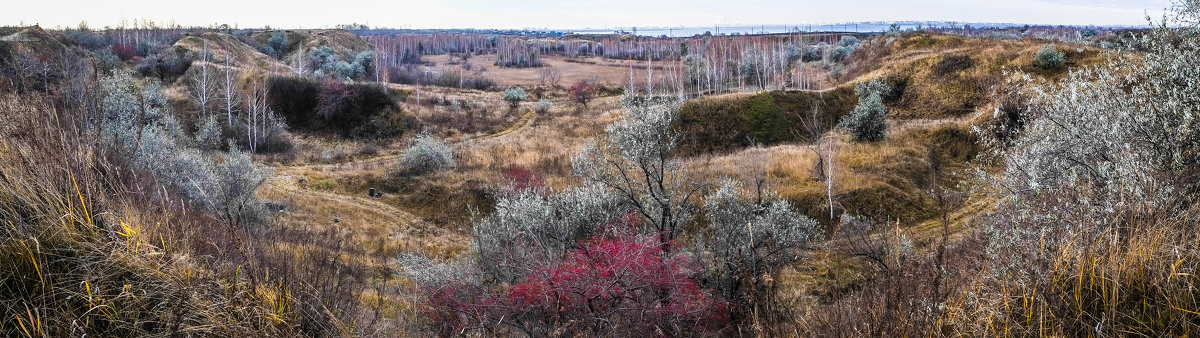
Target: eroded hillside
{"type": "Point", "coordinates": [317, 182]}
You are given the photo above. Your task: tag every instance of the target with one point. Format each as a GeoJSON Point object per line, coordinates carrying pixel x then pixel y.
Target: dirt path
{"type": "Point", "coordinates": [366, 219]}
{"type": "Point", "coordinates": [389, 160]}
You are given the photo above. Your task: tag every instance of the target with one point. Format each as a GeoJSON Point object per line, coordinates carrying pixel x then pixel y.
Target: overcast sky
{"type": "Point", "coordinates": [574, 14]}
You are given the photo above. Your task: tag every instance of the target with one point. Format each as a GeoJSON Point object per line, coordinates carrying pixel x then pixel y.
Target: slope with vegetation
{"type": "Point", "coordinates": [898, 184]}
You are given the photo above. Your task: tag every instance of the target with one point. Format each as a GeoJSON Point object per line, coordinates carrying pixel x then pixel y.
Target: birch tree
{"type": "Point", "coordinates": [826, 150]}
{"type": "Point", "coordinates": [203, 86]}
{"type": "Point", "coordinates": [229, 93]}
{"type": "Point", "coordinates": [257, 115]}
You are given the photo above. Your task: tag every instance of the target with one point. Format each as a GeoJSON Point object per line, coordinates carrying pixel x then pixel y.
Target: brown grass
{"type": "Point", "coordinates": [599, 70]}
{"type": "Point", "coordinates": [88, 249]}
{"type": "Point", "coordinates": [911, 62]}
{"type": "Point", "coordinates": [223, 46]}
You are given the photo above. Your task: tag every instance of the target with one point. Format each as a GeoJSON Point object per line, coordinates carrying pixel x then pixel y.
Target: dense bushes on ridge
{"type": "Point", "coordinates": [351, 110]}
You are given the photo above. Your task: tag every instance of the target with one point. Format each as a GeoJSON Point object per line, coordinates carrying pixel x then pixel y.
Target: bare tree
{"type": "Point", "coordinates": [549, 76]}
{"type": "Point", "coordinates": [202, 86]}
{"type": "Point", "coordinates": [258, 115]}
{"type": "Point", "coordinates": [74, 71]}
{"type": "Point", "coordinates": [826, 150]}
{"type": "Point", "coordinates": [229, 92]}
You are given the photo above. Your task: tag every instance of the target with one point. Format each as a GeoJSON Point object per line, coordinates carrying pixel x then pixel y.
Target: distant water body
{"type": "Point", "coordinates": [862, 27]}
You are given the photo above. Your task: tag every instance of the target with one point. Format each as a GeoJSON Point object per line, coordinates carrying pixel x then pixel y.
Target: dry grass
{"type": "Point", "coordinates": [1135, 278]}
{"type": "Point", "coordinates": [454, 112]}
{"type": "Point", "coordinates": [599, 70]}
{"type": "Point", "coordinates": [378, 227]}
{"type": "Point", "coordinates": [88, 251]}
{"type": "Point", "coordinates": [340, 40]}
{"type": "Point", "coordinates": [223, 46]}
{"type": "Point", "coordinates": [911, 61]}
{"type": "Point", "coordinates": [885, 180]}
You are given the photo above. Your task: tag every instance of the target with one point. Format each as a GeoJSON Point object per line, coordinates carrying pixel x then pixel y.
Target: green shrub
{"type": "Point", "coordinates": [514, 96]}
{"type": "Point", "coordinates": [326, 63]}
{"type": "Point", "coordinates": [840, 53]}
{"type": "Point", "coordinates": [1049, 58]}
{"type": "Point", "coordinates": [763, 120]}
{"type": "Point", "coordinates": [426, 155]}
{"type": "Point", "coordinates": [209, 135]}
{"type": "Point", "coordinates": [868, 121]}
{"type": "Point", "coordinates": [279, 43]}
{"type": "Point", "coordinates": [811, 53]}
{"type": "Point", "coordinates": [544, 106]}
{"type": "Point", "coordinates": [849, 41]}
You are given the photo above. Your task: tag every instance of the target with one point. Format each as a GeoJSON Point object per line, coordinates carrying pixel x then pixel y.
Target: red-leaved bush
{"type": "Point", "coordinates": [582, 92]}
{"type": "Point", "coordinates": [123, 51]}
{"type": "Point", "coordinates": [625, 285]}
{"type": "Point", "coordinates": [524, 179]}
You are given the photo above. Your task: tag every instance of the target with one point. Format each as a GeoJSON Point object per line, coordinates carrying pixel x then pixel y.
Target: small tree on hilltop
{"type": "Point", "coordinates": [868, 121]}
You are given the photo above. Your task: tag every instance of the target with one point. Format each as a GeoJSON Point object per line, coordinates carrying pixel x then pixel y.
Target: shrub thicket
{"type": "Point", "coordinates": [411, 75]}
{"type": "Point", "coordinates": [327, 64]}
{"type": "Point", "coordinates": [840, 53]}
{"type": "Point", "coordinates": [351, 110]}
{"type": "Point", "coordinates": [542, 254]}
{"type": "Point", "coordinates": [164, 66]}
{"type": "Point", "coordinates": [277, 45]}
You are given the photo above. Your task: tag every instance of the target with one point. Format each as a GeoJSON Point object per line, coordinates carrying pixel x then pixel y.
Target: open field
{"type": "Point", "coordinates": [601, 70]}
